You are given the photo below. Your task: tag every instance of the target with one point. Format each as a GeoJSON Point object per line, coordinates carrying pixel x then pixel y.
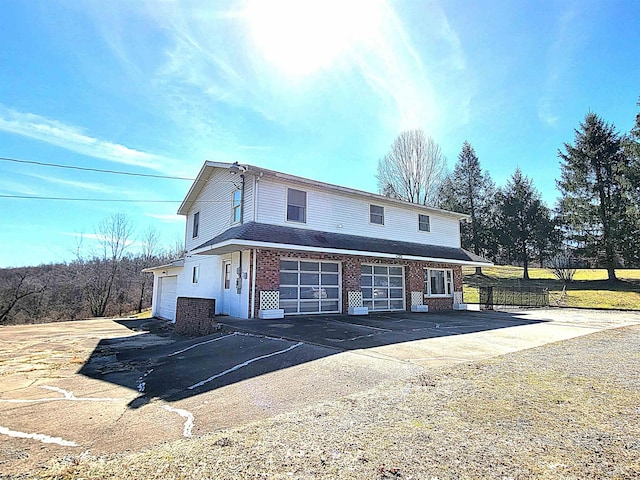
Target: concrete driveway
{"type": "Point", "coordinates": [106, 386]}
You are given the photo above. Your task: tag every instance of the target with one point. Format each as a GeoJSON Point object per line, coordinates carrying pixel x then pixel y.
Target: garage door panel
{"type": "Point", "coordinates": [309, 286]}
{"type": "Point", "coordinates": [382, 287]}
{"type": "Point", "coordinates": [168, 297]}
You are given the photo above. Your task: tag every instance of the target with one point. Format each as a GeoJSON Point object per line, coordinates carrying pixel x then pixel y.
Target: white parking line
{"type": "Point", "coordinates": [67, 395]}
{"type": "Point", "coordinates": [201, 343]}
{"type": "Point", "coordinates": [37, 436]}
{"type": "Point", "coordinates": [243, 364]}
{"type": "Point", "coordinates": [188, 416]}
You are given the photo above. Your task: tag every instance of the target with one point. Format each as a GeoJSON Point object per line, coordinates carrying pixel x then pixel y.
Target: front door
{"type": "Point", "coordinates": [226, 287]}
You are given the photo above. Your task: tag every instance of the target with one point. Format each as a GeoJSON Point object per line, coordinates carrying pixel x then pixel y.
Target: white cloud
{"type": "Point", "coordinates": [167, 218]}
{"type": "Point", "coordinates": [74, 139]}
{"type": "Point", "coordinates": [93, 187]}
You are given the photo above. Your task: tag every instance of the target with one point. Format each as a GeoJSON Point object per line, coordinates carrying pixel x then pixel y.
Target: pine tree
{"type": "Point", "coordinates": [595, 193]}
{"type": "Point", "coordinates": [470, 190]}
{"type": "Point", "coordinates": [522, 219]}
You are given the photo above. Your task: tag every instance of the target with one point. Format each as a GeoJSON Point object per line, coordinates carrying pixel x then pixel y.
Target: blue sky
{"type": "Point", "coordinates": [313, 88]}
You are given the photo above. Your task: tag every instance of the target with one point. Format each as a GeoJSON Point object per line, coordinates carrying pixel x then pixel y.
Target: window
{"type": "Point", "coordinates": [296, 205]}
{"type": "Point", "coordinates": [438, 282]}
{"type": "Point", "coordinates": [196, 224]}
{"type": "Point", "coordinates": [423, 223]}
{"type": "Point", "coordinates": [227, 275]}
{"type": "Point", "coordinates": [237, 206]}
{"type": "Point", "coordinates": [195, 276]}
{"type": "Point", "coordinates": [376, 214]}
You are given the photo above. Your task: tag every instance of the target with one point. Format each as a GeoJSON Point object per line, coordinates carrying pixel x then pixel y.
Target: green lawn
{"type": "Point", "coordinates": [590, 288]}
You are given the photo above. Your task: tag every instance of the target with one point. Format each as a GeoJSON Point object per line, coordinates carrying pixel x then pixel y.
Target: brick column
{"type": "Point", "coordinates": [196, 316]}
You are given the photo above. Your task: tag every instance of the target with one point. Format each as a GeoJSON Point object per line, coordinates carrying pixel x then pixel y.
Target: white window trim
{"type": "Point", "coordinates": [306, 206]}
{"type": "Point", "coordinates": [194, 233]}
{"type": "Point", "coordinates": [233, 207]}
{"type": "Point", "coordinates": [195, 275]}
{"type": "Point", "coordinates": [427, 282]}
{"type": "Point", "coordinates": [374, 223]}
{"type": "Point", "coordinates": [429, 217]}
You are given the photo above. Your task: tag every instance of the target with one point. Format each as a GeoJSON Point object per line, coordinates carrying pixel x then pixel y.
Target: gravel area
{"type": "Point", "coordinates": [567, 410]}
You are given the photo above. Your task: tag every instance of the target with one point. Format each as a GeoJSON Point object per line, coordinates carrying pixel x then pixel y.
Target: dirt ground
{"type": "Point", "coordinates": [567, 410]}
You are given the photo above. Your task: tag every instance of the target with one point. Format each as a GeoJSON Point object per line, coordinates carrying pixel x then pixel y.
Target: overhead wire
{"type": "Point", "coordinates": [89, 169]}
{"type": "Point", "coordinates": [98, 170]}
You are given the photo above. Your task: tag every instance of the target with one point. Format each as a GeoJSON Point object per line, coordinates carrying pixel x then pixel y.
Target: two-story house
{"type": "Point", "coordinates": [258, 240]}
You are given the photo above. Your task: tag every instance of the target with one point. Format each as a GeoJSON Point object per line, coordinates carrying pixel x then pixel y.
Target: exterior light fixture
{"type": "Point", "coordinates": [235, 168]}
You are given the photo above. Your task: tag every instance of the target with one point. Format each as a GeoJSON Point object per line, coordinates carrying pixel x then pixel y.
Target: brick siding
{"type": "Point", "coordinates": [268, 274]}
{"type": "Point", "coordinates": [196, 316]}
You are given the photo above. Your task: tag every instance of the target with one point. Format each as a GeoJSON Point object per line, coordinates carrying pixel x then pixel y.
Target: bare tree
{"type": "Point", "coordinates": [413, 169]}
{"type": "Point", "coordinates": [16, 288]}
{"type": "Point", "coordinates": [150, 253]}
{"type": "Point", "coordinates": [113, 234]}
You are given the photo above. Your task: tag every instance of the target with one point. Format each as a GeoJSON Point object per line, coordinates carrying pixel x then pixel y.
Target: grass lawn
{"type": "Point", "coordinates": [590, 288]}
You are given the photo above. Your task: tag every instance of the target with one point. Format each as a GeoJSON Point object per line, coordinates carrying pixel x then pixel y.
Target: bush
{"type": "Point", "coordinates": [563, 267]}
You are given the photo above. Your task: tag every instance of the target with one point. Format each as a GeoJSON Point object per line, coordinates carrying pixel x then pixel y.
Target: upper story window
{"type": "Point", "coordinates": [196, 224]}
{"type": "Point", "coordinates": [296, 205]}
{"type": "Point", "coordinates": [438, 282]}
{"type": "Point", "coordinates": [376, 214]}
{"type": "Point", "coordinates": [237, 206]}
{"type": "Point", "coordinates": [424, 223]}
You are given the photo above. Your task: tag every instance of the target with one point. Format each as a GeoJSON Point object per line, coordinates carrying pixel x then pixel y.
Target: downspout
{"type": "Point", "coordinates": [253, 283]}
{"type": "Point", "coordinates": [256, 179]}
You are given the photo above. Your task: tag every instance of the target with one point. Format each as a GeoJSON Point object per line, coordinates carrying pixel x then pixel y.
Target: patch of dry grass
{"type": "Point", "coordinates": [567, 410]}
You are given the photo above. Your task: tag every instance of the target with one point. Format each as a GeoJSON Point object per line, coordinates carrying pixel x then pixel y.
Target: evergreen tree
{"type": "Point", "coordinates": [522, 221]}
{"type": "Point", "coordinates": [470, 190]}
{"type": "Point", "coordinates": [595, 189]}
{"type": "Point", "coordinates": [631, 251]}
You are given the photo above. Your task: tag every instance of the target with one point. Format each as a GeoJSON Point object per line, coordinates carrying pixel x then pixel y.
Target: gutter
{"type": "Point", "coordinates": [285, 246]}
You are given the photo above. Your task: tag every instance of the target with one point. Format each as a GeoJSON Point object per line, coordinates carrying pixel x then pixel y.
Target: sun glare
{"type": "Point", "coordinates": [302, 36]}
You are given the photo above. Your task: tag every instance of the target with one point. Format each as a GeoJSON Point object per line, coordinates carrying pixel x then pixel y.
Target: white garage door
{"type": "Point", "coordinates": [382, 287]}
{"type": "Point", "coordinates": [167, 297]}
{"type": "Point", "coordinates": [308, 286]}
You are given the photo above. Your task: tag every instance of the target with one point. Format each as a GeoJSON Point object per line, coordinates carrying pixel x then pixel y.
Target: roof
{"type": "Point", "coordinates": [173, 264]}
{"type": "Point", "coordinates": [257, 235]}
{"type": "Point", "coordinates": [201, 180]}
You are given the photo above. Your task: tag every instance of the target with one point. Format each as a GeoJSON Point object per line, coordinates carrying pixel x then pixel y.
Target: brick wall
{"type": "Point", "coordinates": [195, 316]}
{"type": "Point", "coordinates": [268, 274]}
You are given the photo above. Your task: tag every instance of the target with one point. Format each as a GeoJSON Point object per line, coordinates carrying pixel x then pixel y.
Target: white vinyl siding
{"type": "Point", "coordinates": [332, 211]}
{"type": "Point", "coordinates": [215, 203]}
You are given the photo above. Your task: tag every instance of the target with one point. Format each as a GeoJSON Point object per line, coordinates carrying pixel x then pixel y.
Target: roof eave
{"type": "Point", "coordinates": [236, 244]}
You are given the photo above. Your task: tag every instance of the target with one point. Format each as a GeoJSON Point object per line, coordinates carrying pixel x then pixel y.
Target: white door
{"type": "Point", "coordinates": [168, 289]}
{"type": "Point", "coordinates": [226, 287]}
{"type": "Point", "coordinates": [382, 287]}
{"type": "Point", "coordinates": [309, 286]}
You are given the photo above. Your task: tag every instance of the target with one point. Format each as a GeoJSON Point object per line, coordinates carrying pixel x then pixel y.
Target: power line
{"type": "Point", "coordinates": [73, 167]}
{"type": "Point", "coordinates": [133, 200]}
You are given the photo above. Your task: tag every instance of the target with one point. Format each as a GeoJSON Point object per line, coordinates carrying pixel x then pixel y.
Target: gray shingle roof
{"type": "Point", "coordinates": [277, 234]}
